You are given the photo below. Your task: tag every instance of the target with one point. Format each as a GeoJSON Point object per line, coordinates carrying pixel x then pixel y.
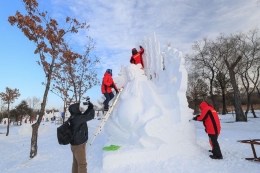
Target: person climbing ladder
{"type": "Point", "coordinates": [106, 88]}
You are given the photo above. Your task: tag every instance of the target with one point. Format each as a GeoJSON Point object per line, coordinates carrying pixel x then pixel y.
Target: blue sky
{"type": "Point", "coordinates": [116, 27]}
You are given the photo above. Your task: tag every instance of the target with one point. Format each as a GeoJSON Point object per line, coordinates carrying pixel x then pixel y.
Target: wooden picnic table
{"type": "Point", "coordinates": [252, 142]}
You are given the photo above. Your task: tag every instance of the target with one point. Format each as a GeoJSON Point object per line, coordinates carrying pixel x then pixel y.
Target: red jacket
{"type": "Point", "coordinates": [210, 119]}
{"type": "Point", "coordinates": [107, 84]}
{"type": "Point", "coordinates": [137, 58]}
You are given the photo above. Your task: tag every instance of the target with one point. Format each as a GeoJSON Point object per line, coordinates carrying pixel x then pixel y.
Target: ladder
{"type": "Point", "coordinates": [103, 121]}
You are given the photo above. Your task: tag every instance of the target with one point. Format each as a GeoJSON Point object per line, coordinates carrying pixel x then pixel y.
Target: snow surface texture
{"type": "Point", "coordinates": [148, 115]}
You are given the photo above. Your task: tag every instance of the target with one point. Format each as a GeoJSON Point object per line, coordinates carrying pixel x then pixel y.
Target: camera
{"type": "Point", "coordinates": [87, 101]}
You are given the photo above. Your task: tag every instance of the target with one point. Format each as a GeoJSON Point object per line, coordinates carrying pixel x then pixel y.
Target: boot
{"type": "Point", "coordinates": [215, 157]}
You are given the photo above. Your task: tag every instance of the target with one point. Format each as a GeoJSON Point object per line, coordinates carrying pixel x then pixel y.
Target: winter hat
{"type": "Point", "coordinates": [203, 104]}
{"type": "Point", "coordinates": [109, 71]}
{"type": "Point", "coordinates": [74, 108]}
{"type": "Point", "coordinates": [134, 51]}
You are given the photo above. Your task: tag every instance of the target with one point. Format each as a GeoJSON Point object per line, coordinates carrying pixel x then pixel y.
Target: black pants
{"type": "Point", "coordinates": [216, 149]}
{"type": "Point", "coordinates": [109, 96]}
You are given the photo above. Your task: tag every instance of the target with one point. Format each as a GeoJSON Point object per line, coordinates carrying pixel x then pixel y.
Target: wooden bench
{"type": "Point", "coordinates": [252, 142]}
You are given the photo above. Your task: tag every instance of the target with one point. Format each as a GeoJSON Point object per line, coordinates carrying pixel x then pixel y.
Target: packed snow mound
{"type": "Point", "coordinates": [26, 129]}
{"type": "Point", "coordinates": [148, 114]}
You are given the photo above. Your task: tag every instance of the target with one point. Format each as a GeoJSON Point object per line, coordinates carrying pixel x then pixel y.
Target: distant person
{"type": "Point", "coordinates": [106, 88]}
{"type": "Point", "coordinates": [212, 126]}
{"type": "Point", "coordinates": [80, 135]}
{"type": "Point", "coordinates": [136, 57]}
{"type": "Point", "coordinates": [63, 116]}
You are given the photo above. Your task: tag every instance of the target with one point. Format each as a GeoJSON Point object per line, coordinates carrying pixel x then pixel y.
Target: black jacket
{"type": "Point", "coordinates": [78, 123]}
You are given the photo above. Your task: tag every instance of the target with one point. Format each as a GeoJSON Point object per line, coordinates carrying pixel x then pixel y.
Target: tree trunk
{"type": "Point", "coordinates": [240, 116]}
{"type": "Point", "coordinates": [8, 121]}
{"type": "Point", "coordinates": [211, 90]}
{"type": "Point", "coordinates": [213, 100]}
{"type": "Point", "coordinates": [64, 110]}
{"type": "Point", "coordinates": [35, 126]}
{"type": "Point", "coordinates": [34, 146]}
{"type": "Point", "coordinates": [224, 106]}
{"type": "Point", "coordinates": [252, 110]}
{"type": "Point", "coordinates": [196, 111]}
{"type": "Point", "coordinates": [248, 104]}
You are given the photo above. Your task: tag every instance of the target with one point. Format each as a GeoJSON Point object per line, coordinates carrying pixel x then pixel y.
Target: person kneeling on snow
{"type": "Point", "coordinates": [212, 126]}
{"type": "Point", "coordinates": [79, 128]}
{"type": "Point", "coordinates": [106, 88]}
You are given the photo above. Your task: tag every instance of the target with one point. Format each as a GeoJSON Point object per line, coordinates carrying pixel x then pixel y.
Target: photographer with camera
{"type": "Point", "coordinates": [106, 88]}
{"type": "Point", "coordinates": [80, 134]}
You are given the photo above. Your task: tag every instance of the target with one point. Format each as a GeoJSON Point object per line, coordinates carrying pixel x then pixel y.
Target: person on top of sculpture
{"type": "Point", "coordinates": [106, 88]}
{"type": "Point", "coordinates": [136, 57]}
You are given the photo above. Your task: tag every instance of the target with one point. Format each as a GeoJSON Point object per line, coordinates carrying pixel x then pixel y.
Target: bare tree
{"type": "Point", "coordinates": [81, 74]}
{"type": "Point", "coordinates": [228, 49]}
{"type": "Point", "coordinates": [249, 70]}
{"type": "Point", "coordinates": [223, 60]}
{"type": "Point", "coordinates": [197, 90]}
{"type": "Point", "coordinates": [49, 39]}
{"type": "Point", "coordinates": [75, 77]}
{"type": "Point", "coordinates": [8, 97]}
{"type": "Point", "coordinates": [222, 81]}
{"type": "Point", "coordinates": [206, 60]}
{"type": "Point", "coordinates": [61, 88]}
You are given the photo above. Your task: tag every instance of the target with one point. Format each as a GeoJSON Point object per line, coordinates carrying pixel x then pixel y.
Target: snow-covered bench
{"type": "Point", "coordinates": [252, 142]}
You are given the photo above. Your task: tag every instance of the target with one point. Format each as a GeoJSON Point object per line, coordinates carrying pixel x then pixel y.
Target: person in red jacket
{"type": "Point", "coordinates": [136, 57]}
{"type": "Point", "coordinates": [106, 88]}
{"type": "Point", "coordinates": [212, 127]}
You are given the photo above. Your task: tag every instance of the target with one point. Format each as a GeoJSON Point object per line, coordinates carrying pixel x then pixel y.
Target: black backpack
{"type": "Point", "coordinates": [64, 133]}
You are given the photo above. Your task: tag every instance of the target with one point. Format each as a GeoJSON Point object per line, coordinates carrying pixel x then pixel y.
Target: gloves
{"type": "Point", "coordinates": [117, 91]}
{"type": "Point", "coordinates": [141, 47]}
{"type": "Point", "coordinates": [195, 118]}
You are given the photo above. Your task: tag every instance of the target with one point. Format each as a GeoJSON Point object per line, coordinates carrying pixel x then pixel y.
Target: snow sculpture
{"type": "Point", "coordinates": [152, 112]}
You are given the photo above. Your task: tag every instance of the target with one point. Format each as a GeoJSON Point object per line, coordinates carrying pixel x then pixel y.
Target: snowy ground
{"type": "Point", "coordinates": [52, 157]}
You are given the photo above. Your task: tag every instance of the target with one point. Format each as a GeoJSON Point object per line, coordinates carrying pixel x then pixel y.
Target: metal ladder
{"type": "Point", "coordinates": [103, 121]}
